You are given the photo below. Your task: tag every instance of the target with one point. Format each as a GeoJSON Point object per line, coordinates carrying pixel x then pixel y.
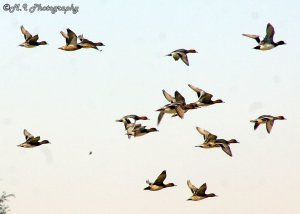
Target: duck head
{"type": "Point", "coordinates": [45, 142]}
{"type": "Point", "coordinates": [219, 101]}
{"type": "Point", "coordinates": [152, 130]}
{"type": "Point", "coordinates": [281, 118]}
{"type": "Point", "coordinates": [192, 51]}
{"type": "Point", "coordinates": [280, 43]}
{"type": "Point", "coordinates": [233, 141]}
{"type": "Point", "coordinates": [43, 43]}
{"type": "Point", "coordinates": [99, 44]}
{"type": "Point", "coordinates": [211, 195]}
{"type": "Point", "coordinates": [143, 118]}
{"type": "Point", "coordinates": [170, 185]}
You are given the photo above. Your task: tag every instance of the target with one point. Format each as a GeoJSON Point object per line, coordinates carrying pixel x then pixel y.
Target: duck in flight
{"type": "Point", "coordinates": [267, 43]}
{"type": "Point", "coordinates": [30, 41]}
{"type": "Point", "coordinates": [85, 43]}
{"type": "Point", "coordinates": [199, 193]}
{"type": "Point", "coordinates": [204, 98]}
{"type": "Point", "coordinates": [71, 41]}
{"type": "Point", "coordinates": [175, 107]}
{"type": "Point", "coordinates": [158, 184]}
{"type": "Point", "coordinates": [32, 141]}
{"type": "Point", "coordinates": [268, 120]}
{"type": "Point", "coordinates": [181, 54]}
{"type": "Point", "coordinates": [211, 141]}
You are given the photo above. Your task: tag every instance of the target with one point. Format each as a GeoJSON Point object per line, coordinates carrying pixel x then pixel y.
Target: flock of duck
{"type": "Point", "coordinates": [176, 105]}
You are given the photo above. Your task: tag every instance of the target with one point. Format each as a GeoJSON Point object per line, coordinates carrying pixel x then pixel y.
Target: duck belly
{"type": "Point", "coordinates": [265, 47]}
{"type": "Point", "coordinates": [155, 188]}
{"type": "Point", "coordinates": [176, 56]}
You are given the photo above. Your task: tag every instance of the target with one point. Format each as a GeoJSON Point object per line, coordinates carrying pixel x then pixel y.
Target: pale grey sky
{"type": "Point", "coordinates": [73, 99]}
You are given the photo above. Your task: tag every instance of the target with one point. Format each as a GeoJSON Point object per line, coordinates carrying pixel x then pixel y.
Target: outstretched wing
{"type": "Point", "coordinates": [225, 147]}
{"type": "Point", "coordinates": [65, 36]}
{"type": "Point", "coordinates": [72, 37]}
{"type": "Point", "coordinates": [180, 111]}
{"type": "Point", "coordinates": [160, 116]}
{"type": "Point", "coordinates": [206, 135]}
{"type": "Point", "coordinates": [269, 33]}
{"type": "Point", "coordinates": [26, 34]}
{"type": "Point", "coordinates": [168, 96]}
{"type": "Point", "coordinates": [192, 187]}
{"type": "Point", "coordinates": [33, 39]}
{"type": "Point", "coordinates": [201, 190]}
{"type": "Point", "coordinates": [27, 135]}
{"type": "Point", "coordinates": [160, 179]}
{"type": "Point", "coordinates": [256, 37]}
{"type": "Point", "coordinates": [184, 58]}
{"type": "Point", "coordinates": [179, 98]}
{"type": "Point", "coordinates": [269, 125]}
{"type": "Point", "coordinates": [202, 95]}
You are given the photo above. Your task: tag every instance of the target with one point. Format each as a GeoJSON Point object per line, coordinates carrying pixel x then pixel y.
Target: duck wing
{"type": "Point", "coordinates": [72, 37]}
{"type": "Point", "coordinates": [27, 135]}
{"type": "Point", "coordinates": [225, 147]}
{"type": "Point", "coordinates": [65, 36]}
{"type": "Point", "coordinates": [160, 179]}
{"type": "Point", "coordinates": [33, 39]}
{"type": "Point", "coordinates": [206, 135]}
{"type": "Point", "coordinates": [160, 116]}
{"type": "Point", "coordinates": [170, 98]}
{"type": "Point", "coordinates": [26, 34]}
{"type": "Point", "coordinates": [201, 191]}
{"type": "Point", "coordinates": [269, 125]}
{"type": "Point", "coordinates": [269, 33]}
{"type": "Point", "coordinates": [202, 95]}
{"type": "Point", "coordinates": [179, 98]}
{"type": "Point", "coordinates": [180, 111]}
{"type": "Point", "coordinates": [256, 125]}
{"type": "Point", "coordinates": [256, 37]}
{"type": "Point", "coordinates": [192, 187]}
{"type": "Point", "coordinates": [184, 58]}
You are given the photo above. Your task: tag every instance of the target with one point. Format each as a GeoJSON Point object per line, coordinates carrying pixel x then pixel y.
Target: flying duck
{"type": "Point", "coordinates": [71, 41]}
{"type": "Point", "coordinates": [175, 107]}
{"type": "Point", "coordinates": [211, 141]}
{"type": "Point", "coordinates": [139, 130]}
{"type": "Point", "coordinates": [268, 120]}
{"type": "Point", "coordinates": [30, 41]}
{"type": "Point", "coordinates": [267, 43]}
{"type": "Point", "coordinates": [204, 98]}
{"type": "Point", "coordinates": [85, 43]}
{"type": "Point", "coordinates": [181, 54]}
{"type": "Point", "coordinates": [158, 184]}
{"type": "Point", "coordinates": [32, 141]}
{"type": "Point", "coordinates": [198, 193]}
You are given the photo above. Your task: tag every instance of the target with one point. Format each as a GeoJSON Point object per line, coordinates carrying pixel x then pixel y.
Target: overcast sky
{"type": "Point", "coordinates": [72, 99]}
